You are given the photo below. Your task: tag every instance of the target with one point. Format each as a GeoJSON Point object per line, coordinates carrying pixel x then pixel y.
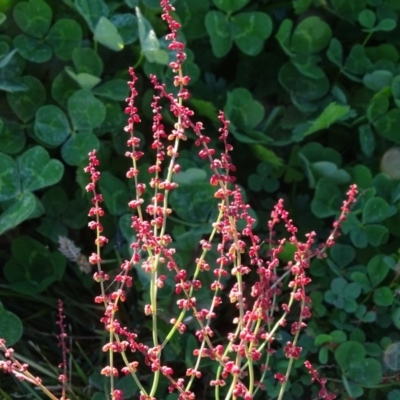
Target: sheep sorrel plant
{"type": "Point", "coordinates": [242, 358]}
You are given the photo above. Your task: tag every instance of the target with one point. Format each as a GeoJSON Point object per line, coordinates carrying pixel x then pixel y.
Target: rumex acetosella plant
{"type": "Point", "coordinates": [277, 299]}
{"type": "Point", "coordinates": [244, 358]}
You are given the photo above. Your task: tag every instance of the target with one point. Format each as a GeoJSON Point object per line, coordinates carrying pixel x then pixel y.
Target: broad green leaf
{"type": "Point", "coordinates": [75, 150]}
{"type": "Point", "coordinates": [20, 210]}
{"type": "Point", "coordinates": [92, 11]}
{"type": "Point", "coordinates": [115, 89]}
{"type": "Point", "coordinates": [388, 125]}
{"type": "Point", "coordinates": [219, 30]}
{"type": "Point", "coordinates": [12, 138]}
{"type": "Point", "coordinates": [127, 26]}
{"type": "Point", "coordinates": [242, 110]}
{"type": "Point", "coordinates": [357, 62]}
{"type": "Point", "coordinates": [327, 199]}
{"type": "Point", "coordinates": [63, 88]}
{"type": "Point", "coordinates": [194, 203]}
{"type": "Point", "coordinates": [250, 30]}
{"type": "Point", "coordinates": [192, 14]}
{"type": "Point", "coordinates": [9, 178]}
{"type": "Point", "coordinates": [4, 60]}
{"type": "Point", "coordinates": [10, 327]}
{"type": "Point", "coordinates": [230, 6]}
{"type": "Point", "coordinates": [383, 296]}
{"type": "Point", "coordinates": [33, 17]}
{"type": "Point", "coordinates": [367, 139]}
{"type": "Point", "coordinates": [342, 254]}
{"type": "Point", "coordinates": [148, 41]}
{"type": "Point", "coordinates": [349, 9]}
{"type": "Point", "coordinates": [107, 34]}
{"type": "Point", "coordinates": [378, 107]}
{"type": "Point", "coordinates": [51, 125]}
{"type": "Point", "coordinates": [37, 170]}
{"type": "Point", "coordinates": [332, 113]}
{"type": "Point", "coordinates": [301, 6]}
{"type": "Point", "coordinates": [386, 25]}
{"type": "Point", "coordinates": [312, 34]}
{"type": "Point", "coordinates": [64, 36]}
{"type": "Point", "coordinates": [86, 60]}
{"type": "Point", "coordinates": [335, 52]}
{"type": "Point", "coordinates": [367, 18]}
{"type": "Point", "coordinates": [349, 353]}
{"type": "Point", "coordinates": [307, 89]}
{"type": "Point", "coordinates": [283, 35]}
{"type": "Point", "coordinates": [377, 80]}
{"type": "Point", "coordinates": [375, 210]}
{"type": "Point", "coordinates": [367, 373]}
{"type": "Point", "coordinates": [33, 49]}
{"type": "Point", "coordinates": [86, 111]}
{"type": "Point", "coordinates": [376, 234]}
{"type": "Point", "coordinates": [24, 104]}
{"type": "Point", "coordinates": [132, 3]}
{"type": "Point", "coordinates": [115, 194]}
{"type": "Point", "coordinates": [84, 80]}
{"type": "Point", "coordinates": [3, 17]}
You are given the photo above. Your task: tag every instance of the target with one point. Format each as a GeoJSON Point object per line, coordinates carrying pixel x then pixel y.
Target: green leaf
{"type": "Point", "coordinates": [301, 6]}
{"type": "Point", "coordinates": [114, 89]}
{"type": "Point", "coordinates": [12, 138]}
{"type": "Point", "coordinates": [75, 150]}
{"type": "Point", "coordinates": [230, 6]}
{"type": "Point", "coordinates": [127, 26]}
{"type": "Point", "coordinates": [357, 62]}
{"type": "Point", "coordinates": [219, 30]}
{"type": "Point", "coordinates": [367, 373]}
{"type": "Point", "coordinates": [84, 80]}
{"type": "Point", "coordinates": [375, 210]}
{"type": "Point", "coordinates": [51, 125]}
{"type": "Point", "coordinates": [335, 52]}
{"type": "Point", "coordinates": [250, 30]}
{"type": "Point", "coordinates": [367, 18]}
{"type": "Point", "coordinates": [377, 269]}
{"type": "Point", "coordinates": [92, 11]}
{"type": "Point", "coordinates": [3, 17]}
{"type": "Point", "coordinates": [148, 41]}
{"type": "Point", "coordinates": [9, 178]}
{"type": "Point", "coordinates": [349, 353]}
{"type": "Point", "coordinates": [307, 89]}
{"type": "Point", "coordinates": [378, 106]}
{"type": "Point", "coordinates": [24, 104]}
{"type": "Point", "coordinates": [312, 34]}
{"type": "Point", "coordinates": [33, 49]}
{"type": "Point", "coordinates": [376, 234]}
{"type": "Point", "coordinates": [65, 36]}
{"type": "Point", "coordinates": [107, 34]}
{"type": "Point", "coordinates": [86, 111]}
{"type": "Point", "coordinates": [194, 203]}
{"type": "Point", "coordinates": [37, 170]}
{"type": "Point", "coordinates": [377, 80]}
{"type": "Point", "coordinates": [327, 199]}
{"type": "Point", "coordinates": [5, 60]}
{"type": "Point", "coordinates": [332, 113]}
{"type": "Point", "coordinates": [383, 296]}
{"type": "Point", "coordinates": [283, 35]}
{"type": "Point", "coordinates": [10, 327]}
{"type": "Point", "coordinates": [387, 125]}
{"type": "Point", "coordinates": [342, 254]}
{"type": "Point", "coordinates": [20, 210]}
{"type": "Point", "coordinates": [115, 194]}
{"type": "Point", "coordinates": [86, 60]}
{"type": "Point", "coordinates": [386, 25]}
{"type": "Point", "coordinates": [242, 110]}
{"type": "Point", "coordinates": [367, 139]}
{"type": "Point", "coordinates": [33, 17]}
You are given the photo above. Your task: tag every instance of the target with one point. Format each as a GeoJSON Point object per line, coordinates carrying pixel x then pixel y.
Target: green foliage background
{"type": "Point", "coordinates": [312, 90]}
